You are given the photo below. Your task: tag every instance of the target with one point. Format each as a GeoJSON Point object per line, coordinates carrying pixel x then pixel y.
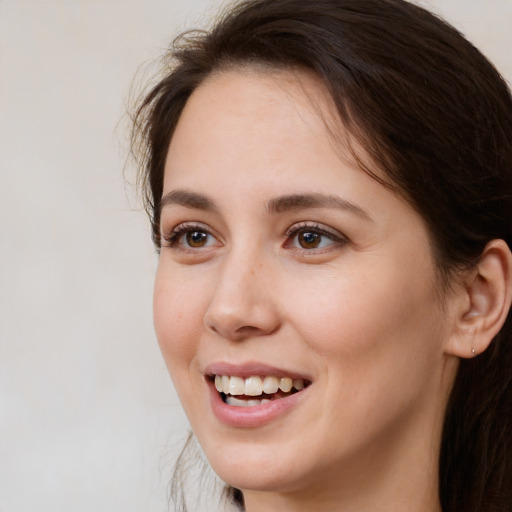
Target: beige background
{"type": "Point", "coordinates": [88, 418]}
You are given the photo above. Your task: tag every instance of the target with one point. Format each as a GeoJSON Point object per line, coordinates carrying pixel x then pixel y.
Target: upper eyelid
{"type": "Point", "coordinates": [170, 235]}
{"type": "Point", "coordinates": [314, 226]}
{"type": "Point", "coordinates": [192, 224]}
{"type": "Point", "coordinates": [182, 227]}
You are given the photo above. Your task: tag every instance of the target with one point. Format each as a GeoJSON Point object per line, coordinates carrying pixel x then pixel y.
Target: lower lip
{"type": "Point", "coordinates": [252, 416]}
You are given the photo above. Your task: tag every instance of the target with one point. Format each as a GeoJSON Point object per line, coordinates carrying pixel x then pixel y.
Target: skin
{"type": "Point", "coordinates": [360, 314]}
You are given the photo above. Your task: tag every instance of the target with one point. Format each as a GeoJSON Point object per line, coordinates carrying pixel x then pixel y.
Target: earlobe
{"type": "Point", "coordinates": [487, 296]}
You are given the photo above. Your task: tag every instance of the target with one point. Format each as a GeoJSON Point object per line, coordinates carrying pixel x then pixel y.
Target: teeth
{"type": "Point", "coordinates": [285, 384]}
{"type": "Point", "coordinates": [231, 400]}
{"type": "Point", "coordinates": [225, 384]}
{"type": "Point", "coordinates": [253, 386]}
{"type": "Point", "coordinates": [270, 385]}
{"type": "Point", "coordinates": [236, 386]}
{"type": "Point", "coordinates": [256, 385]}
{"type": "Point", "coordinates": [298, 384]}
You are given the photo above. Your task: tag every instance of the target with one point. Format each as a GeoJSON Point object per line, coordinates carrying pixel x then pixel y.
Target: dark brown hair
{"type": "Point", "coordinates": [436, 117]}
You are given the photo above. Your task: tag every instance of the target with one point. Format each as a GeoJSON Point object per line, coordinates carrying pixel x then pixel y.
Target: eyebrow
{"type": "Point", "coordinates": [281, 204]}
{"type": "Point", "coordinates": [315, 200]}
{"type": "Point", "coordinates": [188, 199]}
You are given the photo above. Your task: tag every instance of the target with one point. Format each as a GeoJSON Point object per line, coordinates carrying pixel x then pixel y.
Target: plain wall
{"type": "Point", "coordinates": [88, 417]}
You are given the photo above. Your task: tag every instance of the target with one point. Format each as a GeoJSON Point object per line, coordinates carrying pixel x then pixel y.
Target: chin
{"type": "Point", "coordinates": [257, 468]}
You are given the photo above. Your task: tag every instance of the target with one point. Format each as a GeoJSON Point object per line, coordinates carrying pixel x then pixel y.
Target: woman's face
{"type": "Point", "coordinates": [281, 260]}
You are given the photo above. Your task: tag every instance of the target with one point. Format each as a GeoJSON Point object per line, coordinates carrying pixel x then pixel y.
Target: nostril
{"type": "Point", "coordinates": [211, 327]}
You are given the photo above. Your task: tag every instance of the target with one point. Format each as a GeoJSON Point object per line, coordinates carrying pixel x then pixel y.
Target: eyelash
{"type": "Point", "coordinates": [173, 239]}
{"type": "Point", "coordinates": [304, 227]}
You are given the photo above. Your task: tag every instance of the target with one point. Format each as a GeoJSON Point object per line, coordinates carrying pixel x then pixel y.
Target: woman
{"type": "Point", "coordinates": [330, 190]}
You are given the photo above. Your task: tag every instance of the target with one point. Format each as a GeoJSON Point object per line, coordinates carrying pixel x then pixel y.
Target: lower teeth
{"type": "Point", "coordinates": [237, 402]}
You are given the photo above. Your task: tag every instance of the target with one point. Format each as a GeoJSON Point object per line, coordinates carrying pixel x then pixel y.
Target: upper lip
{"type": "Point", "coordinates": [248, 369]}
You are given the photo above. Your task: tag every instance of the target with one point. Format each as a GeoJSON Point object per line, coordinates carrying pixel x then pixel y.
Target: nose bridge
{"type": "Point", "coordinates": [241, 304]}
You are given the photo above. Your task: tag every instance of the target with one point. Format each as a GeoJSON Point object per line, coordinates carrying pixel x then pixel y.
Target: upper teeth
{"type": "Point", "coordinates": [255, 385]}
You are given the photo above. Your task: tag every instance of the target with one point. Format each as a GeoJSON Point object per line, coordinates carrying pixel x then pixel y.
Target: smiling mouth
{"type": "Point", "coordinates": [256, 390]}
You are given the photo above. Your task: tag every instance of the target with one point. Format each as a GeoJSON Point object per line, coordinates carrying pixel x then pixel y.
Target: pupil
{"type": "Point", "coordinates": [309, 240]}
{"type": "Point", "coordinates": [196, 238]}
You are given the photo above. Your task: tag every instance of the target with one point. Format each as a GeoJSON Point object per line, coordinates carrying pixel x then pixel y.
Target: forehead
{"type": "Point", "coordinates": [239, 113]}
{"type": "Point", "coordinates": [265, 132]}
{"type": "Point", "coordinates": [273, 87]}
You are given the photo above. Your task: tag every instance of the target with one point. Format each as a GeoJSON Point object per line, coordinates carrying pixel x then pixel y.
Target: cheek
{"type": "Point", "coordinates": [177, 317]}
{"type": "Point", "coordinates": [384, 296]}
{"type": "Point", "coordinates": [380, 324]}
{"type": "Point", "coordinates": [378, 341]}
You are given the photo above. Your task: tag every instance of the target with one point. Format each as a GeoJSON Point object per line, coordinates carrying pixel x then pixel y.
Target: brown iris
{"type": "Point", "coordinates": [196, 238]}
{"type": "Point", "coordinates": [309, 239]}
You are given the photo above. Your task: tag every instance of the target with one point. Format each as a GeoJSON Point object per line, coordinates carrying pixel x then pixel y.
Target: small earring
{"type": "Point", "coordinates": [474, 352]}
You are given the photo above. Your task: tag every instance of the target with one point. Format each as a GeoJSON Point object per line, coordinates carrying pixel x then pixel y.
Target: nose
{"type": "Point", "coordinates": [242, 305]}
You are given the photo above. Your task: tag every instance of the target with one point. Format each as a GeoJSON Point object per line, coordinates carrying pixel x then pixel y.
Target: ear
{"type": "Point", "coordinates": [482, 302]}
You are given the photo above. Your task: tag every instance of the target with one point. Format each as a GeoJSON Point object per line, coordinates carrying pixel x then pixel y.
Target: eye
{"type": "Point", "coordinates": [190, 236]}
{"type": "Point", "coordinates": [310, 237]}
{"type": "Point", "coordinates": [310, 240]}
{"type": "Point", "coordinates": [196, 239]}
